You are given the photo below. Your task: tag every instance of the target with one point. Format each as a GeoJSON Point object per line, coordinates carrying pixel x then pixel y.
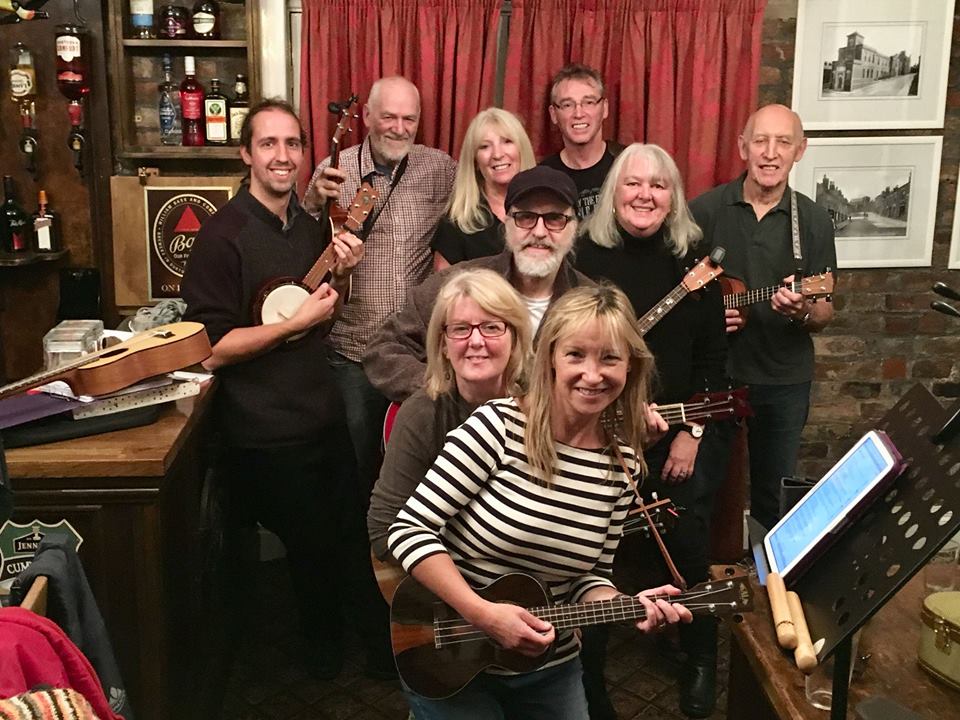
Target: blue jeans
{"type": "Point", "coordinates": [773, 437]}
{"type": "Point", "coordinates": [552, 694]}
{"type": "Point", "coordinates": [365, 409]}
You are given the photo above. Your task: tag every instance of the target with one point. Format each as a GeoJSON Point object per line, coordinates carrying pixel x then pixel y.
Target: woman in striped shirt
{"type": "Point", "coordinates": [534, 484]}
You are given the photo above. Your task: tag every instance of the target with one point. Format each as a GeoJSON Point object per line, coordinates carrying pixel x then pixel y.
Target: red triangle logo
{"type": "Point", "coordinates": [188, 222]}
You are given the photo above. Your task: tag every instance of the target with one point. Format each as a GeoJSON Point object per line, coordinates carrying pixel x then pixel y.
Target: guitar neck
{"type": "Point", "coordinates": [359, 210]}
{"type": "Point", "coordinates": [658, 311]}
{"type": "Point", "coordinates": [702, 600]}
{"type": "Point", "coordinates": [46, 376]}
{"type": "Point", "coordinates": [737, 300]}
{"type": "Point", "coordinates": [677, 413]}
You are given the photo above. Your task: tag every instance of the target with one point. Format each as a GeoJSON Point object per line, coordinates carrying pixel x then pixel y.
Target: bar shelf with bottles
{"type": "Point", "coordinates": [140, 48]}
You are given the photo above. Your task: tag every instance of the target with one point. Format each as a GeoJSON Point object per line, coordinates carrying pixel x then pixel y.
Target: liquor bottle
{"type": "Point", "coordinates": [239, 107]}
{"type": "Point", "coordinates": [172, 23]}
{"type": "Point", "coordinates": [46, 227]}
{"type": "Point", "coordinates": [72, 74]}
{"type": "Point", "coordinates": [191, 104]}
{"type": "Point", "coordinates": [16, 222]}
{"type": "Point", "coordinates": [141, 18]}
{"type": "Point", "coordinates": [216, 112]}
{"type": "Point", "coordinates": [168, 105]}
{"type": "Point", "coordinates": [23, 77]}
{"type": "Point", "coordinates": [206, 19]}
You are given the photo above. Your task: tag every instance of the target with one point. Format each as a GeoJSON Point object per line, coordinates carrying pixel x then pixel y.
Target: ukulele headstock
{"type": "Point", "coordinates": [720, 405]}
{"type": "Point", "coordinates": [704, 272]}
{"type": "Point", "coordinates": [361, 207]}
{"type": "Point", "coordinates": [728, 596]}
{"type": "Point", "coordinates": [817, 286]}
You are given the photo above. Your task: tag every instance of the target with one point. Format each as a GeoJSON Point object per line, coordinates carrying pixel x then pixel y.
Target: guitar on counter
{"type": "Point", "coordinates": [157, 351]}
{"type": "Point", "coordinates": [279, 299]}
{"type": "Point", "coordinates": [736, 295]}
{"type": "Point", "coordinates": [438, 652]}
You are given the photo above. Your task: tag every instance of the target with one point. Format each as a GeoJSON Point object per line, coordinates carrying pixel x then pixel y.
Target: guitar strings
{"type": "Point", "coordinates": [673, 413]}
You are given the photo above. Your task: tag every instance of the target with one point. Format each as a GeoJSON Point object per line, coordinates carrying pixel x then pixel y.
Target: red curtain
{"type": "Point", "coordinates": [447, 48]}
{"type": "Point", "coordinates": [679, 73]}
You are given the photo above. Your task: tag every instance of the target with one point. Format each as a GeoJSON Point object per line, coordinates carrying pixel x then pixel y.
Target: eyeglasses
{"type": "Point", "coordinates": [588, 103]}
{"type": "Point", "coordinates": [554, 221]}
{"type": "Point", "coordinates": [461, 331]}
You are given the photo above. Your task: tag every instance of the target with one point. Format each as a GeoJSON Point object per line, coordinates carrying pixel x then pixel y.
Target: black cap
{"type": "Point", "coordinates": [541, 179]}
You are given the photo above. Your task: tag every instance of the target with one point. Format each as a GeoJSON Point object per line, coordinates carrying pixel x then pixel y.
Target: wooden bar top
{"type": "Point", "coordinates": [891, 638]}
{"type": "Point", "coordinates": [146, 451]}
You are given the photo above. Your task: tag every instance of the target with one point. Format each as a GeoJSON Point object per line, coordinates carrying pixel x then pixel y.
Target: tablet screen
{"type": "Point", "coordinates": [826, 503]}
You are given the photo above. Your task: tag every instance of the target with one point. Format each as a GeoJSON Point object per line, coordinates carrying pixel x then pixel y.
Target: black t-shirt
{"type": "Point", "coordinates": [456, 245]}
{"type": "Point", "coordinates": [688, 343]}
{"type": "Point", "coordinates": [588, 180]}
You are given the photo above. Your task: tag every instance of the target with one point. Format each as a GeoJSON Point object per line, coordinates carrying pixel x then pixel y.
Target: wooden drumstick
{"type": "Point", "coordinates": [804, 655]}
{"type": "Point", "coordinates": [782, 621]}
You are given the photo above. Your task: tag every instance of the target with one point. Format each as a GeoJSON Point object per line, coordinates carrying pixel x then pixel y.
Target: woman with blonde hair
{"type": "Point", "coordinates": [478, 349]}
{"type": "Point", "coordinates": [537, 483]}
{"type": "Point", "coordinates": [495, 148]}
{"type": "Point", "coordinates": [643, 239]}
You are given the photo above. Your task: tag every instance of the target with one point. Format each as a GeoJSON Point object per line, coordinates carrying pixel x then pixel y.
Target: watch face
{"type": "Point", "coordinates": [696, 430]}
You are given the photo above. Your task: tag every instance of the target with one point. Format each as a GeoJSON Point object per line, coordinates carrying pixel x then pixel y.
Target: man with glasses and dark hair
{"type": "Point", "coordinates": [578, 107]}
{"type": "Point", "coordinates": [539, 230]}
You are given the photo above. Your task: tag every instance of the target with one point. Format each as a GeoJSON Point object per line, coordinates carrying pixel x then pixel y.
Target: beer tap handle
{"type": "Point", "coordinates": [29, 147]}
{"type": "Point", "coordinates": [75, 142]}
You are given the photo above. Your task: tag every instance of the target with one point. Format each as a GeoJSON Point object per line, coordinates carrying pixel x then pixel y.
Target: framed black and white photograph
{"type": "Point", "coordinates": [872, 65]}
{"type": "Point", "coordinates": [881, 194]}
{"type": "Point", "coordinates": [954, 262]}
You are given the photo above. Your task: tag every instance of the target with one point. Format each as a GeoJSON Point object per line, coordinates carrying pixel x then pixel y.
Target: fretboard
{"type": "Point", "coordinates": [658, 311]}
{"type": "Point", "coordinates": [677, 413]}
{"type": "Point", "coordinates": [750, 297]}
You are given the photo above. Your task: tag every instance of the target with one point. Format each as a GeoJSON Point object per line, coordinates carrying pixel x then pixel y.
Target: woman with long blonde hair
{"type": "Point", "coordinates": [495, 148]}
{"type": "Point", "coordinates": [538, 483]}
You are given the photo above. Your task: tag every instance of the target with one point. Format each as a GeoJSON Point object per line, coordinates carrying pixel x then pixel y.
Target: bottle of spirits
{"type": "Point", "coordinates": [206, 19]}
{"type": "Point", "coordinates": [191, 104]}
{"type": "Point", "coordinates": [168, 105]}
{"type": "Point", "coordinates": [215, 110]}
{"type": "Point", "coordinates": [172, 23]}
{"type": "Point", "coordinates": [239, 107]}
{"type": "Point", "coordinates": [16, 222]}
{"type": "Point", "coordinates": [141, 18]}
{"type": "Point", "coordinates": [72, 74]}
{"type": "Point", "coordinates": [23, 77]}
{"type": "Point", "coordinates": [46, 227]}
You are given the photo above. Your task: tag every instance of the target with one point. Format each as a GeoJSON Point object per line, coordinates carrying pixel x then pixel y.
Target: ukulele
{"type": "Point", "coordinates": [160, 350]}
{"type": "Point", "coordinates": [438, 652]}
{"type": "Point", "coordinates": [279, 299]}
{"type": "Point", "coordinates": [736, 295]}
{"type": "Point", "coordinates": [702, 273]}
{"type": "Point", "coordinates": [708, 406]}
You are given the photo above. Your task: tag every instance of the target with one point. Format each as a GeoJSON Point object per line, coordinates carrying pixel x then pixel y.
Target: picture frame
{"type": "Point", "coordinates": [876, 65]}
{"type": "Point", "coordinates": [953, 263]}
{"type": "Point", "coordinates": [880, 192]}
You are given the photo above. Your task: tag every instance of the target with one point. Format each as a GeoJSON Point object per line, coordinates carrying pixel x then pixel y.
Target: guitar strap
{"type": "Point", "coordinates": [795, 227]}
{"type": "Point", "coordinates": [677, 577]}
{"type": "Point", "coordinates": [401, 169]}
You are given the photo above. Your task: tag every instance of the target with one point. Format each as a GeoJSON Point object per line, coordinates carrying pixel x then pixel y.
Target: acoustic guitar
{"type": "Point", "coordinates": [438, 652]}
{"type": "Point", "coordinates": [736, 295]}
{"type": "Point", "coordinates": [153, 352]}
{"type": "Point", "coordinates": [279, 299]}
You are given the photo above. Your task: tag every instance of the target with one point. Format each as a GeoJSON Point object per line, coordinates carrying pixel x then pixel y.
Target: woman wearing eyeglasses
{"type": "Point", "coordinates": [478, 343]}
{"type": "Point", "coordinates": [495, 148]}
{"type": "Point", "coordinates": [642, 238]}
{"type": "Point", "coordinates": [535, 483]}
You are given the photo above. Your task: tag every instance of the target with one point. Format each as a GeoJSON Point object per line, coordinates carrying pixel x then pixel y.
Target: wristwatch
{"type": "Point", "coordinates": [695, 430]}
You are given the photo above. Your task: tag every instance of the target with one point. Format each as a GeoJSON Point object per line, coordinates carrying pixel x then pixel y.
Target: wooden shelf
{"type": "Point", "coordinates": [182, 45]}
{"type": "Point", "coordinates": [29, 258]}
{"type": "Point", "coordinates": [179, 152]}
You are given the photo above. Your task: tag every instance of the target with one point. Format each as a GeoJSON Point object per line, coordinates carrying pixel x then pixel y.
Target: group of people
{"type": "Point", "coordinates": [497, 300]}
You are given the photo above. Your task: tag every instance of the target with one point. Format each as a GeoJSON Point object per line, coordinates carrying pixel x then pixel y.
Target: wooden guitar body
{"type": "Point", "coordinates": [732, 286]}
{"type": "Point", "coordinates": [443, 666]}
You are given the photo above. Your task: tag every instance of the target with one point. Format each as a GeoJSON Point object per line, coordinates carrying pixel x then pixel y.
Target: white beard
{"type": "Point", "coordinates": [538, 268]}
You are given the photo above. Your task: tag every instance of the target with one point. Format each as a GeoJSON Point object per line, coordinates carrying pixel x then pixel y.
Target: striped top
{"type": "Point", "coordinates": [479, 504]}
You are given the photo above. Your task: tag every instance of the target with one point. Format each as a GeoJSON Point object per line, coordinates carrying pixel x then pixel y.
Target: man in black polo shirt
{"type": "Point", "coordinates": [772, 353]}
{"type": "Point", "coordinates": [578, 108]}
{"type": "Point", "coordinates": [287, 460]}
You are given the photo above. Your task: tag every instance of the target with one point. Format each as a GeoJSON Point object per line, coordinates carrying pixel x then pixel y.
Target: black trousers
{"type": "Point", "coordinates": [308, 496]}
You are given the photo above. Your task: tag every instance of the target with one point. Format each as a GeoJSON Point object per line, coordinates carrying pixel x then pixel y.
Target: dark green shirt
{"type": "Point", "coordinates": [769, 350]}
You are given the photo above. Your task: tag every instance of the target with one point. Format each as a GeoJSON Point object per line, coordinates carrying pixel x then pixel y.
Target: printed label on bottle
{"type": "Point", "coordinates": [216, 120]}
{"type": "Point", "coordinates": [203, 23]}
{"type": "Point", "coordinates": [236, 121]}
{"type": "Point", "coordinates": [168, 115]}
{"type": "Point", "coordinates": [21, 82]}
{"type": "Point", "coordinates": [43, 236]}
{"type": "Point", "coordinates": [141, 7]}
{"type": "Point", "coordinates": [18, 240]}
{"type": "Point", "coordinates": [68, 47]}
{"type": "Point", "coordinates": [191, 105]}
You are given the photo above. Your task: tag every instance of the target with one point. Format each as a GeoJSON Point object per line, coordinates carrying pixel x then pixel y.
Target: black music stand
{"type": "Point", "coordinates": [878, 553]}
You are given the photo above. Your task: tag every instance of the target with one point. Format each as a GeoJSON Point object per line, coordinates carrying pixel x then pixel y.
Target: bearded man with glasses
{"type": "Point", "coordinates": [578, 107]}
{"type": "Point", "coordinates": [540, 227]}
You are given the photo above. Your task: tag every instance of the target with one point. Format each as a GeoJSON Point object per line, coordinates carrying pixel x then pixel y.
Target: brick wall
{"type": "Point", "coordinates": [884, 337]}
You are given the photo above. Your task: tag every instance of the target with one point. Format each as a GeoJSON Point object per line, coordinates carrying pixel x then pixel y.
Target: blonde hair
{"type": "Point", "coordinates": [610, 307]}
{"type": "Point", "coordinates": [494, 295]}
{"type": "Point", "coordinates": [682, 231]}
{"type": "Point", "coordinates": [464, 208]}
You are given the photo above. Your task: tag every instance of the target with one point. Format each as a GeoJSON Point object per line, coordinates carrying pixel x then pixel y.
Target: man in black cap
{"type": "Point", "coordinates": [539, 229]}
